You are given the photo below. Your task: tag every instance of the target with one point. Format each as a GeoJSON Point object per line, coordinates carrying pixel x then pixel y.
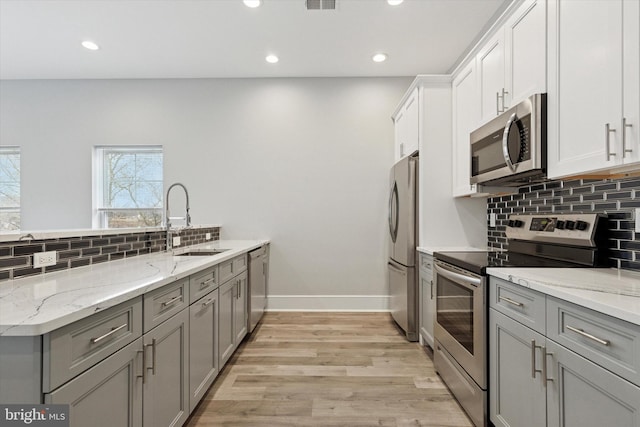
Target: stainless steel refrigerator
{"type": "Point", "coordinates": [403, 232]}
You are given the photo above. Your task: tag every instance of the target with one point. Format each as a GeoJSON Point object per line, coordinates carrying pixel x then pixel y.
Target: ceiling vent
{"type": "Point", "coordinates": [321, 4]}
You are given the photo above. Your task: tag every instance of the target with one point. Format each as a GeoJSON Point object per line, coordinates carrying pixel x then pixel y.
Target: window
{"type": "Point", "coordinates": [9, 188]}
{"type": "Point", "coordinates": [128, 186]}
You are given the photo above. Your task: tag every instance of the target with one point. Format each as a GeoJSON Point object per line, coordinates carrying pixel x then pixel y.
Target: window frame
{"type": "Point", "coordinates": [101, 212]}
{"type": "Point", "coordinates": [8, 150]}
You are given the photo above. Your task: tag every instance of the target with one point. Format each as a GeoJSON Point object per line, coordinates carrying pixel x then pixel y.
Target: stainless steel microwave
{"type": "Point", "coordinates": [511, 150]}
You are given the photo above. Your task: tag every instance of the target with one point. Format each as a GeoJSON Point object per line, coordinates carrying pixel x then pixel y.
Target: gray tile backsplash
{"type": "Point", "coordinates": [16, 258]}
{"type": "Point", "coordinates": [617, 198]}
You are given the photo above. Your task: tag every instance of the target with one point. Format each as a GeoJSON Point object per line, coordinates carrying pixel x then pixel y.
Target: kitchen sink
{"type": "Point", "coordinates": [202, 252]}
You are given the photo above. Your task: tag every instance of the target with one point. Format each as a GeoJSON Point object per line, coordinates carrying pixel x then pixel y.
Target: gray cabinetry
{"type": "Point", "coordinates": [162, 303]}
{"type": "Point", "coordinates": [233, 311]}
{"type": "Point", "coordinates": [427, 299]}
{"type": "Point", "coordinates": [581, 370]}
{"type": "Point", "coordinates": [166, 356]}
{"type": "Point", "coordinates": [109, 394]}
{"type": "Point", "coordinates": [203, 346]}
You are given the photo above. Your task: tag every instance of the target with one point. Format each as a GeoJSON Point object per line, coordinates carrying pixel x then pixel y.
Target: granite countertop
{"type": "Point", "coordinates": [429, 250]}
{"type": "Point", "coordinates": [607, 290]}
{"type": "Point", "coordinates": [39, 304]}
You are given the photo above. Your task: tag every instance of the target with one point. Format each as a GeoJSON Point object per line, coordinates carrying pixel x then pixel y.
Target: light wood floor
{"type": "Point", "coordinates": [328, 369]}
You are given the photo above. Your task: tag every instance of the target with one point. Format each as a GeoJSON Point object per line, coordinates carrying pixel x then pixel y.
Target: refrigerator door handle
{"type": "Point", "coordinates": [393, 212]}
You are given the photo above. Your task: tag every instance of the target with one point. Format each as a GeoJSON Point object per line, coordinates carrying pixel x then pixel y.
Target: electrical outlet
{"type": "Point", "coordinates": [492, 219]}
{"type": "Point", "coordinates": [176, 241]}
{"type": "Point", "coordinates": [207, 236]}
{"type": "Point", "coordinates": [44, 259]}
{"type": "Point", "coordinates": [637, 218]}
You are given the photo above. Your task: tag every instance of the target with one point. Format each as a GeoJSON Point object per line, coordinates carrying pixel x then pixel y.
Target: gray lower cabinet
{"type": "Point", "coordinates": [427, 299]}
{"type": "Point", "coordinates": [204, 364]}
{"type": "Point", "coordinates": [517, 394]}
{"type": "Point", "coordinates": [535, 381]}
{"type": "Point", "coordinates": [108, 394]}
{"type": "Point", "coordinates": [166, 382]}
{"type": "Point", "coordinates": [233, 315]}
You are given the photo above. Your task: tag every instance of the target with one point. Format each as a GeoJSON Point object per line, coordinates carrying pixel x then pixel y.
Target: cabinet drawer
{"type": "Point", "coordinates": [521, 304]}
{"type": "Point", "coordinates": [232, 267]}
{"type": "Point", "coordinates": [605, 340]}
{"type": "Point", "coordinates": [426, 263]}
{"type": "Point", "coordinates": [72, 349]}
{"type": "Point", "coordinates": [160, 304]}
{"type": "Point", "coordinates": [202, 283]}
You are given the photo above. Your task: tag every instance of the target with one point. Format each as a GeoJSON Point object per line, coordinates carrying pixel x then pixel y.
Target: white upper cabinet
{"type": "Point", "coordinates": [512, 64]}
{"type": "Point", "coordinates": [525, 52]}
{"type": "Point", "coordinates": [407, 127]}
{"type": "Point", "coordinates": [490, 63]}
{"type": "Point", "coordinates": [594, 80]}
{"type": "Point", "coordinates": [466, 116]}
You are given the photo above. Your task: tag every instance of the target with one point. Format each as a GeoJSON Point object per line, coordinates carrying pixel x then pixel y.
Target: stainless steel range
{"type": "Point", "coordinates": [461, 327]}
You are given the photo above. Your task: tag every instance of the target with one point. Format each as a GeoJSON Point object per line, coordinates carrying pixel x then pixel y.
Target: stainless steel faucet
{"type": "Point", "coordinates": [187, 217]}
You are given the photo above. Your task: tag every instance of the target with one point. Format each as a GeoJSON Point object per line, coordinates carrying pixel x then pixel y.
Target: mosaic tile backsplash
{"type": "Point", "coordinates": [16, 258]}
{"type": "Point", "coordinates": [618, 198]}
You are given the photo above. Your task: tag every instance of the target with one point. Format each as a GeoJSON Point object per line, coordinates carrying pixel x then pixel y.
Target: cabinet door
{"type": "Point", "coordinates": [585, 86]}
{"type": "Point", "coordinates": [203, 346]}
{"type": "Point", "coordinates": [587, 395]}
{"type": "Point", "coordinates": [631, 79]}
{"type": "Point", "coordinates": [517, 398]}
{"type": "Point", "coordinates": [412, 113]}
{"type": "Point", "coordinates": [465, 119]}
{"type": "Point", "coordinates": [490, 63]}
{"type": "Point", "coordinates": [400, 131]}
{"type": "Point", "coordinates": [107, 395]}
{"type": "Point", "coordinates": [427, 306]}
{"type": "Point", "coordinates": [525, 35]}
{"type": "Point", "coordinates": [166, 394]}
{"type": "Point", "coordinates": [240, 309]}
{"type": "Point", "coordinates": [226, 334]}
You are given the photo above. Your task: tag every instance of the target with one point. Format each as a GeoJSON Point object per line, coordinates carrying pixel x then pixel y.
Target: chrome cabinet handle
{"type": "Point", "coordinates": [143, 362]}
{"type": "Point", "coordinates": [544, 366]}
{"type": "Point", "coordinates": [207, 303]}
{"type": "Point", "coordinates": [497, 103]}
{"type": "Point", "coordinates": [625, 150]}
{"type": "Point", "coordinates": [533, 359]}
{"type": "Point", "coordinates": [108, 334]}
{"type": "Point", "coordinates": [510, 301]}
{"type": "Point", "coordinates": [171, 301]}
{"type": "Point", "coordinates": [587, 335]}
{"type": "Point", "coordinates": [206, 283]}
{"type": "Point", "coordinates": [153, 356]}
{"type": "Point", "coordinates": [431, 289]}
{"type": "Point", "coordinates": [504, 107]}
{"type": "Point", "coordinates": [608, 131]}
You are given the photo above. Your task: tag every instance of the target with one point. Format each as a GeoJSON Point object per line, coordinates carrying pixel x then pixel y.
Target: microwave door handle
{"type": "Point", "coordinates": [457, 277]}
{"type": "Point", "coordinates": [505, 142]}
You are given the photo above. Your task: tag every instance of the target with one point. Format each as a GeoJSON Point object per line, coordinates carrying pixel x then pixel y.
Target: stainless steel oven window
{"type": "Point", "coordinates": [454, 311]}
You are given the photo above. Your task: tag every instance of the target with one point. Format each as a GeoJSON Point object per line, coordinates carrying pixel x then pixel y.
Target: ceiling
{"type": "Point", "coordinates": [40, 39]}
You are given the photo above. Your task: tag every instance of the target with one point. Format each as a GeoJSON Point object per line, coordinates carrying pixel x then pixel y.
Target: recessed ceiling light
{"type": "Point", "coordinates": [90, 45]}
{"type": "Point", "coordinates": [379, 57]}
{"type": "Point", "coordinates": [394, 2]}
{"type": "Point", "coordinates": [252, 3]}
{"type": "Point", "coordinates": [272, 59]}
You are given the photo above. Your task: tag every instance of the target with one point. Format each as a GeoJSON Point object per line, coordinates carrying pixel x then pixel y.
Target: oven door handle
{"type": "Point", "coordinates": [457, 277]}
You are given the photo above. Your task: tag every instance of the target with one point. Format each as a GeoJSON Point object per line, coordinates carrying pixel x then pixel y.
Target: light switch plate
{"type": "Point", "coordinates": [176, 241]}
{"type": "Point", "coordinates": [207, 236]}
{"type": "Point", "coordinates": [492, 219]}
{"type": "Point", "coordinates": [637, 220]}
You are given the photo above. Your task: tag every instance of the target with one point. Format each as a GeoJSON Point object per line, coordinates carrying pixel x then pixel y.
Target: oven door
{"type": "Point", "coordinates": [461, 318]}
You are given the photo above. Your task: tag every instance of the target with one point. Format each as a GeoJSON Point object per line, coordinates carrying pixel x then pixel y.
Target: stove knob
{"type": "Point", "coordinates": [582, 225]}
{"type": "Point", "coordinates": [560, 224]}
{"type": "Point", "coordinates": [570, 225]}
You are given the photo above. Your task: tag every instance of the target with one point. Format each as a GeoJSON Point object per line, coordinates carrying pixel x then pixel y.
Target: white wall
{"type": "Point", "coordinates": [303, 162]}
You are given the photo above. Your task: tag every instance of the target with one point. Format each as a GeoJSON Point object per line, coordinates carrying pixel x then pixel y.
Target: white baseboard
{"type": "Point", "coordinates": [327, 303]}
